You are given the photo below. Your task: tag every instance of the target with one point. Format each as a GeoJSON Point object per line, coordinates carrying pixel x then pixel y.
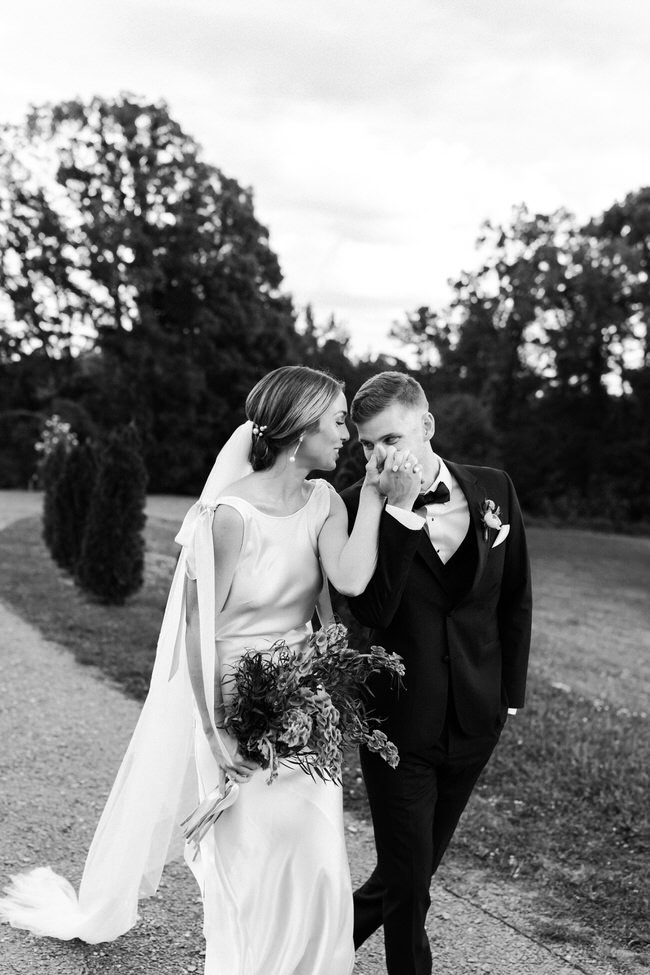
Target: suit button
{"type": "Point", "coordinates": [445, 659]}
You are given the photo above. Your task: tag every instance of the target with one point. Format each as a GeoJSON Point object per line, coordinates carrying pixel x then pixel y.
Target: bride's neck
{"type": "Point", "coordinates": [285, 480]}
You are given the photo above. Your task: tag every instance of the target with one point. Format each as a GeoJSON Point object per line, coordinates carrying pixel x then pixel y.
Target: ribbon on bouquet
{"type": "Point", "coordinates": [207, 813]}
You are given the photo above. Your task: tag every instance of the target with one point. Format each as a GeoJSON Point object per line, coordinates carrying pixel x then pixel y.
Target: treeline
{"type": "Point", "coordinates": [138, 288]}
{"type": "Point", "coordinates": [550, 337]}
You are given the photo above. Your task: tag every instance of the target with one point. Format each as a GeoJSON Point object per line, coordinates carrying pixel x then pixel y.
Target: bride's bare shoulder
{"type": "Point", "coordinates": [252, 489]}
{"type": "Point", "coordinates": [246, 488]}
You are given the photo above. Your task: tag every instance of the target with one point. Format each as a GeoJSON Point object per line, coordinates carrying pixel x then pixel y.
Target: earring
{"type": "Point", "coordinates": [292, 457]}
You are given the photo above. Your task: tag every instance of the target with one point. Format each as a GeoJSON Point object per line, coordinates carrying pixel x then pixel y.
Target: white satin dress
{"type": "Point", "coordinates": [273, 871]}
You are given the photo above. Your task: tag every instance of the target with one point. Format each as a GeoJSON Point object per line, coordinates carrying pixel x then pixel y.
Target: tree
{"type": "Point", "coordinates": [546, 336]}
{"type": "Point", "coordinates": [627, 226]}
{"type": "Point", "coordinates": [549, 307]}
{"type": "Point", "coordinates": [464, 430]}
{"type": "Point", "coordinates": [133, 245]}
{"type": "Point", "coordinates": [431, 337]}
{"type": "Point", "coordinates": [111, 565]}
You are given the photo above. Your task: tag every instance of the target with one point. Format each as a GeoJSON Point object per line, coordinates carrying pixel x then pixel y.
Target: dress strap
{"type": "Point", "coordinates": [321, 500]}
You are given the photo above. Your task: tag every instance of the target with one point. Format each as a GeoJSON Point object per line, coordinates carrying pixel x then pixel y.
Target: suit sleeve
{"type": "Point", "coordinates": [515, 606]}
{"type": "Point", "coordinates": [377, 606]}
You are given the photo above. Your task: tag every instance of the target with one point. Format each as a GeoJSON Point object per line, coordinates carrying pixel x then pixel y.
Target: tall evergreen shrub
{"type": "Point", "coordinates": [56, 443]}
{"type": "Point", "coordinates": [51, 473]}
{"type": "Point", "coordinates": [111, 566]}
{"type": "Point", "coordinates": [73, 493]}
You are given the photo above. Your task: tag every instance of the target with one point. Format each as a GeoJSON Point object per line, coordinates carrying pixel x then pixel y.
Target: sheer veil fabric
{"type": "Point", "coordinates": [156, 786]}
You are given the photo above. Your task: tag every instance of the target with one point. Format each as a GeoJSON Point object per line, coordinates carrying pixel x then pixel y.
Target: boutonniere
{"type": "Point", "coordinates": [490, 517]}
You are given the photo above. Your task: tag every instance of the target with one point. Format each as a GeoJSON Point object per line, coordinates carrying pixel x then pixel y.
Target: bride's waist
{"type": "Point", "coordinates": [263, 643]}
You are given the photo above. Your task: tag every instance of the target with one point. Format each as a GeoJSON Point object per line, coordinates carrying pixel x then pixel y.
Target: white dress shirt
{"type": "Point", "coordinates": [446, 523]}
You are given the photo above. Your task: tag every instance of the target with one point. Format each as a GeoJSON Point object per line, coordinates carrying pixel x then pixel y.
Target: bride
{"type": "Point", "coordinates": [256, 548]}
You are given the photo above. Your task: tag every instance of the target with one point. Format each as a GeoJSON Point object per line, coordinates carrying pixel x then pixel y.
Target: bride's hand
{"type": "Point", "coordinates": [228, 757]}
{"type": "Point", "coordinates": [371, 480]}
{"type": "Point", "coordinates": [400, 476]}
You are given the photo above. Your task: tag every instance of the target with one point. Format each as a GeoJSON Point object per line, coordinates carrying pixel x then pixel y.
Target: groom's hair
{"type": "Point", "coordinates": [382, 391]}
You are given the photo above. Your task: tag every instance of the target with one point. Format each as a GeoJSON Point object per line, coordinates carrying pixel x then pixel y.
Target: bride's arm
{"type": "Point", "coordinates": [350, 562]}
{"type": "Point", "coordinates": [227, 536]}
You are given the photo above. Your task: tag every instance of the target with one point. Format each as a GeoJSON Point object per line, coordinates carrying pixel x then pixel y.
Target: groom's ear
{"type": "Point", "coordinates": [429, 426]}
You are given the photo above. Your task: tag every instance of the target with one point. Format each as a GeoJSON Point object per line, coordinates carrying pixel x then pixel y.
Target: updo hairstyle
{"type": "Point", "coordinates": [283, 405]}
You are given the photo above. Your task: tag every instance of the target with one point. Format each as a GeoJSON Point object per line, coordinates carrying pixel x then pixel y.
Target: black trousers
{"type": "Point", "coordinates": [415, 810]}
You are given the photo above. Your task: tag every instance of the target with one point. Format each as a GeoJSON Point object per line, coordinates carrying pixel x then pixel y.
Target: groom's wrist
{"type": "Point", "coordinates": [402, 503]}
{"type": "Point", "coordinates": [401, 497]}
{"type": "Point", "coordinates": [405, 516]}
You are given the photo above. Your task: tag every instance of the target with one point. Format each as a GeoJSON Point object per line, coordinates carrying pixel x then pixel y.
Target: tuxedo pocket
{"type": "Point", "coordinates": [501, 537]}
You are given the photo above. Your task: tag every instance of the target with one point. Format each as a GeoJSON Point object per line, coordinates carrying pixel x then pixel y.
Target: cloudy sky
{"type": "Point", "coordinates": [377, 135]}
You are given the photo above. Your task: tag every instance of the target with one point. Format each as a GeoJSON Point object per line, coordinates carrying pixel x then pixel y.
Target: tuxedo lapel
{"type": "Point", "coordinates": [475, 495]}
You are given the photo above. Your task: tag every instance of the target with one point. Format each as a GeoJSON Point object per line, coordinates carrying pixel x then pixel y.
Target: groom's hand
{"type": "Point", "coordinates": [399, 477]}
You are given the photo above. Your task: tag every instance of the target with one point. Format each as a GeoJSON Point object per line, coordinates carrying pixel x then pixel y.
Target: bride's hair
{"type": "Point", "coordinates": [283, 405]}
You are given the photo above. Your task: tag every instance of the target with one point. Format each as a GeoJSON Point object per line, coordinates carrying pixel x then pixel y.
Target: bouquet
{"type": "Point", "coordinates": [301, 707]}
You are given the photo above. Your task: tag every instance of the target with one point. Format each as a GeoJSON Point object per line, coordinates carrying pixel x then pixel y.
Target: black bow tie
{"type": "Point", "coordinates": [439, 496]}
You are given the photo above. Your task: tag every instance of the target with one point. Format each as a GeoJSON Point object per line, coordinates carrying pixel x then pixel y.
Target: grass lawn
{"type": "Point", "coordinates": [564, 805]}
{"type": "Point", "coordinates": [592, 614]}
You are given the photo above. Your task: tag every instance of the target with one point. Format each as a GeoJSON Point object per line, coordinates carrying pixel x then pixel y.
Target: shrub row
{"type": "Point", "coordinates": [93, 515]}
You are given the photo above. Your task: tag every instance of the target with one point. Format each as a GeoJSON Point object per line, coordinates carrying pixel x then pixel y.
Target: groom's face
{"type": "Point", "coordinates": [399, 426]}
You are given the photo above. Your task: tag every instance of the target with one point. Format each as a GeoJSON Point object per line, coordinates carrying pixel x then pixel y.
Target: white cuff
{"type": "Point", "coordinates": [512, 710]}
{"type": "Point", "coordinates": [407, 518]}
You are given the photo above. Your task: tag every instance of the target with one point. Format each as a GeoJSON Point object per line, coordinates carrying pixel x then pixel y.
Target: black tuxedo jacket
{"type": "Point", "coordinates": [471, 645]}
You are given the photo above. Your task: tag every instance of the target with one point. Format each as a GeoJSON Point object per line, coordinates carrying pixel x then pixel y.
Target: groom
{"type": "Point", "coordinates": [451, 594]}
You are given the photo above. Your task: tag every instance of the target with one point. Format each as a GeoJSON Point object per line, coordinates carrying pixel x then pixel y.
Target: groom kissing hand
{"type": "Point", "coordinates": [451, 593]}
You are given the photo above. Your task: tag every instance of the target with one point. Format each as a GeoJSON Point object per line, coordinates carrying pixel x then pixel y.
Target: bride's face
{"type": "Point", "coordinates": [320, 449]}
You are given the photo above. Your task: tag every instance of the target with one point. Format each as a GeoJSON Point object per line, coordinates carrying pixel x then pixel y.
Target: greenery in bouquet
{"type": "Point", "coordinates": [304, 706]}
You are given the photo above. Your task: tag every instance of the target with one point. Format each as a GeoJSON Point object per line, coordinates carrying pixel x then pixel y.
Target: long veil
{"type": "Point", "coordinates": [156, 785]}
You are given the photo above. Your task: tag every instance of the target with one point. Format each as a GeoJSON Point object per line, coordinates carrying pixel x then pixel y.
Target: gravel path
{"type": "Point", "coordinates": [64, 729]}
